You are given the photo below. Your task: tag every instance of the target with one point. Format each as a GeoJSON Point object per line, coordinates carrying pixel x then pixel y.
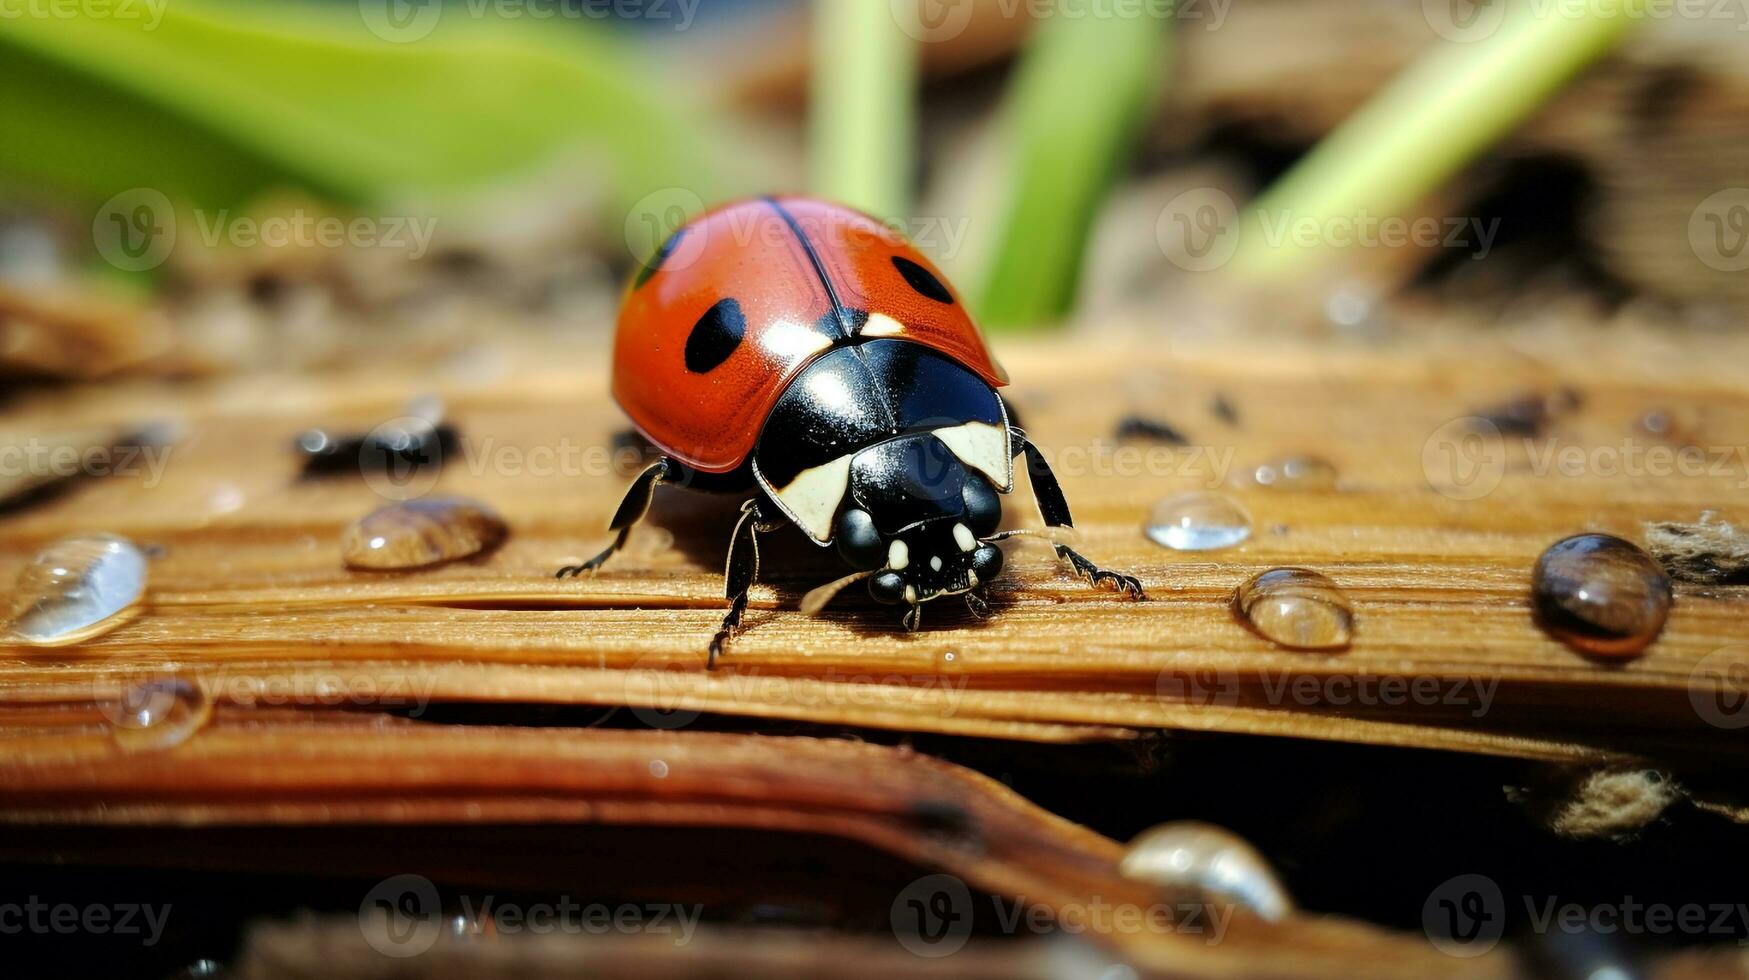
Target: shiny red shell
{"type": "Point", "coordinates": [782, 261]}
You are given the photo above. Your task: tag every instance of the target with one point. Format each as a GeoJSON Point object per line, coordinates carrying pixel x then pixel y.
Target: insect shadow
{"type": "Point", "coordinates": [790, 565]}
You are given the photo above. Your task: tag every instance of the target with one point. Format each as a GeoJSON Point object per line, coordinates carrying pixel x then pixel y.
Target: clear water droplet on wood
{"type": "Point", "coordinates": [1600, 594]}
{"type": "Point", "coordinates": [158, 714]}
{"type": "Point", "coordinates": [1296, 473]}
{"type": "Point", "coordinates": [1199, 862]}
{"type": "Point", "coordinates": [1296, 608]}
{"type": "Point", "coordinates": [416, 533]}
{"type": "Point", "coordinates": [1200, 520]}
{"type": "Point", "coordinates": [75, 589]}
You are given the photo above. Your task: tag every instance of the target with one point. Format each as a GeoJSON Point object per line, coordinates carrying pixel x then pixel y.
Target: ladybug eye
{"type": "Point", "coordinates": [922, 280]}
{"type": "Point", "coordinates": [715, 336]}
{"type": "Point", "coordinates": [858, 541]}
{"type": "Point", "coordinates": [887, 587]}
{"type": "Point", "coordinates": [983, 508]}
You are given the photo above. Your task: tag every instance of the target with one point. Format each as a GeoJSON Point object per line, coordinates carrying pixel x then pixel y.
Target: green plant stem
{"type": "Point", "coordinates": [1078, 100]}
{"type": "Point", "coordinates": [1430, 122]}
{"type": "Point", "coordinates": [862, 118]}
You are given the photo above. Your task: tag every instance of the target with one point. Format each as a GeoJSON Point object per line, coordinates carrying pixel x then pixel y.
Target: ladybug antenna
{"type": "Point", "coordinates": [914, 618]}
{"type": "Point", "coordinates": [1055, 535]}
{"type": "Point", "coordinates": [817, 598]}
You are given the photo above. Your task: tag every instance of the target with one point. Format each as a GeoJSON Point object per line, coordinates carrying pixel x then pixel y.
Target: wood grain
{"type": "Point", "coordinates": [250, 593]}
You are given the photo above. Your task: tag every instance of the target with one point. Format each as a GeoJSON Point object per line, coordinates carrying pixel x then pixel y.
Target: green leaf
{"type": "Point", "coordinates": [214, 102]}
{"type": "Point", "coordinates": [1079, 98]}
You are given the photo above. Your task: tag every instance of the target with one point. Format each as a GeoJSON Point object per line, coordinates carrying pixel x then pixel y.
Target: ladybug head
{"type": "Point", "coordinates": [916, 519]}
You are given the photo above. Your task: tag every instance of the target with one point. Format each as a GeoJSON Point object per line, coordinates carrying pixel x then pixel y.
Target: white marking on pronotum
{"type": "Point", "coordinates": [881, 325]}
{"type": "Point", "coordinates": [898, 555]}
{"type": "Point", "coordinates": [963, 537]}
{"type": "Point", "coordinates": [812, 498]}
{"type": "Point", "coordinates": [935, 563]}
{"type": "Point", "coordinates": [983, 447]}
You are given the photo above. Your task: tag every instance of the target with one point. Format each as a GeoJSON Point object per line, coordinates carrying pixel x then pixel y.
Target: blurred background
{"type": "Point", "coordinates": [190, 187]}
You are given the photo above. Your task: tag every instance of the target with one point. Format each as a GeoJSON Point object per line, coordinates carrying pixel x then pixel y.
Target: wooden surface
{"type": "Point", "coordinates": [250, 594]}
{"type": "Point", "coordinates": [249, 598]}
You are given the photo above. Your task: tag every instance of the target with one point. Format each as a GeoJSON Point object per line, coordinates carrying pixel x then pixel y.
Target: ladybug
{"type": "Point", "coordinates": [808, 355]}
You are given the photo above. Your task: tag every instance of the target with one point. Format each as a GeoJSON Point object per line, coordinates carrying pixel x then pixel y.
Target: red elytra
{"type": "Point", "coordinates": [783, 262]}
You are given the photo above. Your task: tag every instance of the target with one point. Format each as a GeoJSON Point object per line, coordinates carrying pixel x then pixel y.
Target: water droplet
{"type": "Point", "coordinates": [1669, 425]}
{"type": "Point", "coordinates": [1351, 305]}
{"type": "Point", "coordinates": [1203, 863]}
{"type": "Point", "coordinates": [420, 532]}
{"type": "Point", "coordinates": [1200, 520]}
{"type": "Point", "coordinates": [1600, 594]}
{"type": "Point", "coordinates": [225, 498]}
{"type": "Point", "coordinates": [1297, 473]}
{"type": "Point", "coordinates": [658, 768]}
{"type": "Point", "coordinates": [1297, 608]}
{"type": "Point", "coordinates": [158, 714]}
{"type": "Point", "coordinates": [77, 588]}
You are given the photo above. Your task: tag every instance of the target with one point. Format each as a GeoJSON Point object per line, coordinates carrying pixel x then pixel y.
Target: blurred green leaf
{"type": "Point", "coordinates": [1426, 125]}
{"type": "Point", "coordinates": [214, 102]}
{"type": "Point", "coordinates": [1077, 102]}
{"type": "Point", "coordinates": [863, 116]}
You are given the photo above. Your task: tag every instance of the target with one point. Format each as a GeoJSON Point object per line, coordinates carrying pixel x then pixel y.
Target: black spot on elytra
{"type": "Point", "coordinates": [922, 280]}
{"type": "Point", "coordinates": [655, 264]}
{"type": "Point", "coordinates": [715, 336]}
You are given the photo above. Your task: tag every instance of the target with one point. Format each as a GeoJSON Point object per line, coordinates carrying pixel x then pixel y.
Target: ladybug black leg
{"type": "Point", "coordinates": [1055, 511]}
{"type": "Point", "coordinates": [976, 605]}
{"type": "Point", "coordinates": [631, 510]}
{"type": "Point", "coordinates": [738, 576]}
